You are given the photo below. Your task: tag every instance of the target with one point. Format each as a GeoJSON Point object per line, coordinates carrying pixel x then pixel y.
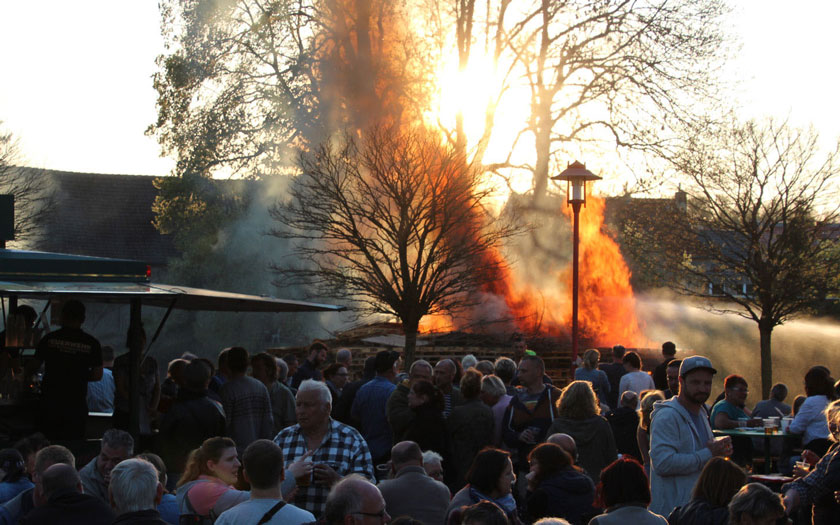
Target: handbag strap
{"type": "Point", "coordinates": [270, 514]}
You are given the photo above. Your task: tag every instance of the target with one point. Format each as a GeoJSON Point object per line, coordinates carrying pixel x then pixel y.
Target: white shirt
{"type": "Point", "coordinates": [253, 510]}
{"type": "Point", "coordinates": [636, 381]}
{"type": "Point", "coordinates": [810, 420]}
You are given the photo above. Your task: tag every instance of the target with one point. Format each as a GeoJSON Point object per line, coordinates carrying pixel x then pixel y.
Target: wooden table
{"type": "Point", "coordinates": [756, 432]}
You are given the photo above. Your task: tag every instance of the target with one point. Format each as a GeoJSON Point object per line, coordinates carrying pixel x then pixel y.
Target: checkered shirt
{"type": "Point", "coordinates": [343, 449]}
{"type": "Point", "coordinates": [820, 482]}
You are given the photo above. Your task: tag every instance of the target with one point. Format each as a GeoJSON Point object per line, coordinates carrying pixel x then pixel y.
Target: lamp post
{"type": "Point", "coordinates": [575, 176]}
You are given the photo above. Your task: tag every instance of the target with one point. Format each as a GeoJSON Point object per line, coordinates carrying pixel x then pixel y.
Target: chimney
{"type": "Point", "coordinates": [680, 200]}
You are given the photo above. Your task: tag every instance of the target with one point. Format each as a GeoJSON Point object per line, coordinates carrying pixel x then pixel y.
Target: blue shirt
{"type": "Point", "coordinates": [598, 378]}
{"type": "Point", "coordinates": [369, 408]}
{"type": "Point", "coordinates": [9, 490]}
{"type": "Point", "coordinates": [724, 406]}
{"type": "Point", "coordinates": [100, 394]}
{"type": "Point", "coordinates": [168, 509]}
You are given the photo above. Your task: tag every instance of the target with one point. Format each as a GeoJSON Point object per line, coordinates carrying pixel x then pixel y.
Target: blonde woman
{"type": "Point", "coordinates": [649, 397]}
{"type": "Point", "coordinates": [579, 416]}
{"type": "Point", "coordinates": [206, 488]}
{"type": "Point", "coordinates": [589, 372]}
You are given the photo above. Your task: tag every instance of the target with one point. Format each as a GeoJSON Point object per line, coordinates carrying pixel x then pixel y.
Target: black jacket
{"type": "Point", "coordinates": [193, 418]}
{"type": "Point", "coordinates": [624, 421]}
{"type": "Point", "coordinates": [69, 507]}
{"type": "Point", "coordinates": [567, 494]}
{"type": "Point", "coordinates": [699, 512]}
{"type": "Point", "coordinates": [141, 517]}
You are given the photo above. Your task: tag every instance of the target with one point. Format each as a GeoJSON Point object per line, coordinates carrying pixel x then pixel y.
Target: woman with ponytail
{"type": "Point", "coordinates": [206, 488]}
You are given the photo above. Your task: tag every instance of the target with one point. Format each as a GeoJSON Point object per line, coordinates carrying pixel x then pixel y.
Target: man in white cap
{"type": "Point", "coordinates": [681, 440]}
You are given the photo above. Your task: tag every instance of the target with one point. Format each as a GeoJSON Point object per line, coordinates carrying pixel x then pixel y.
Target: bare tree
{"type": "Point", "coordinates": [393, 220]}
{"type": "Point", "coordinates": [759, 234]}
{"type": "Point", "coordinates": [33, 197]}
{"type": "Point", "coordinates": [627, 72]}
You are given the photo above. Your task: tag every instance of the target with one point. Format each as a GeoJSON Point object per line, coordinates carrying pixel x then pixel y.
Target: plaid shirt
{"type": "Point", "coordinates": [343, 448]}
{"type": "Point", "coordinates": [820, 482]}
{"type": "Point", "coordinates": [247, 411]}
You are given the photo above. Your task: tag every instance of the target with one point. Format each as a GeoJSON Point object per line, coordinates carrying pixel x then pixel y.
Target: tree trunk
{"type": "Point", "coordinates": [410, 328]}
{"type": "Point", "coordinates": [765, 329]}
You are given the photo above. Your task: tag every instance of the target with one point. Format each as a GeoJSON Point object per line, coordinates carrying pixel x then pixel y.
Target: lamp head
{"type": "Point", "coordinates": [576, 176]}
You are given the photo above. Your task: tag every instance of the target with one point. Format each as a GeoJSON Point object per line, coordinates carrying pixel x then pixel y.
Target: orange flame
{"type": "Point", "coordinates": [606, 305]}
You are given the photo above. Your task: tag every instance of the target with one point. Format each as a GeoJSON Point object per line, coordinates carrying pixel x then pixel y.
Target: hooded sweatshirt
{"type": "Point", "coordinates": [678, 453]}
{"type": "Point", "coordinates": [594, 440]}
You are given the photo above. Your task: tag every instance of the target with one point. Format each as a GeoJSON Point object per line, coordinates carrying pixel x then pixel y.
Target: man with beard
{"type": "Point", "coordinates": [681, 440]}
{"type": "Point", "coordinates": [309, 369]}
{"type": "Point", "coordinates": [672, 374]}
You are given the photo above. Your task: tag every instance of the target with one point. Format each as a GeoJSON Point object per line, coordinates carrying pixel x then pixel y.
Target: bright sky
{"type": "Point", "coordinates": [76, 88]}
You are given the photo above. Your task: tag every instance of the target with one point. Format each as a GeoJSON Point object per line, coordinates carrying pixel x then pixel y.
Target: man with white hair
{"type": "Point", "coordinates": [135, 492]}
{"type": "Point", "coordinates": [344, 357]}
{"type": "Point", "coordinates": [319, 450]}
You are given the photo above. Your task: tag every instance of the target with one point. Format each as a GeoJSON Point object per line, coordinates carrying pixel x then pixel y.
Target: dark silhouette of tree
{"type": "Point", "coordinates": [393, 220]}
{"type": "Point", "coordinates": [759, 234]}
{"type": "Point", "coordinates": [33, 195]}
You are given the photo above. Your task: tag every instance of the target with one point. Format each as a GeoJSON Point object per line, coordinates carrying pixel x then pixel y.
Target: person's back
{"type": "Point", "coordinates": [413, 493]}
{"type": "Point", "coordinates": [65, 501]}
{"type": "Point", "coordinates": [624, 422]}
{"type": "Point", "coordinates": [193, 418]}
{"type": "Point", "coordinates": [370, 406]}
{"type": "Point", "coordinates": [614, 371]}
{"type": "Point", "coordinates": [699, 512]}
{"type": "Point", "coordinates": [470, 428]}
{"type": "Point", "coordinates": [71, 358]}
{"type": "Point", "coordinates": [246, 403]}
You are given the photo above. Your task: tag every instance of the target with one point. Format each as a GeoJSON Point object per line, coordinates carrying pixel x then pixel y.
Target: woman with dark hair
{"type": "Point", "coordinates": [206, 488]}
{"type": "Point", "coordinates": [625, 492]}
{"type": "Point", "coordinates": [490, 479]}
{"type": "Point", "coordinates": [579, 415]}
{"type": "Point", "coordinates": [718, 482]}
{"type": "Point", "coordinates": [810, 420]}
{"type": "Point", "coordinates": [428, 428]}
{"type": "Point", "coordinates": [469, 427]}
{"type": "Point", "coordinates": [13, 478]}
{"type": "Point", "coordinates": [556, 487]}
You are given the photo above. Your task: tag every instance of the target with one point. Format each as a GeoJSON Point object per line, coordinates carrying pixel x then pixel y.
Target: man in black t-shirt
{"type": "Point", "coordinates": [71, 358]}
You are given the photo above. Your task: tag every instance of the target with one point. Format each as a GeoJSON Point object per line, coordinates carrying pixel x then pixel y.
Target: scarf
{"type": "Point", "coordinates": [506, 503]}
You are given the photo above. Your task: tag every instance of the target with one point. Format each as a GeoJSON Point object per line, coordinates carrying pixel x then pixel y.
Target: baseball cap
{"type": "Point", "coordinates": [694, 362]}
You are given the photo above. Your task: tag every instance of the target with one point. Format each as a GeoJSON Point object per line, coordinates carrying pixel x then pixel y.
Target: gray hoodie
{"type": "Point", "coordinates": [678, 453]}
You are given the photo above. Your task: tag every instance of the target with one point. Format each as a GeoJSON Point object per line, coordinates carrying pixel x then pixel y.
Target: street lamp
{"type": "Point", "coordinates": [575, 176]}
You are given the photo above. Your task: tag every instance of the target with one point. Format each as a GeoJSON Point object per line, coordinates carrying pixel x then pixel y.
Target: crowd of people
{"type": "Point", "coordinates": [267, 439]}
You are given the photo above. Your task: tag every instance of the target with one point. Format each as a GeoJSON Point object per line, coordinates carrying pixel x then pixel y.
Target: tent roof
{"type": "Point", "coordinates": [43, 275]}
